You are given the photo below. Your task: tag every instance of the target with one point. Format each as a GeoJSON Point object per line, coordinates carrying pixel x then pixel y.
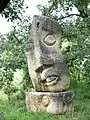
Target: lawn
{"type": "Point", "coordinates": [16, 110]}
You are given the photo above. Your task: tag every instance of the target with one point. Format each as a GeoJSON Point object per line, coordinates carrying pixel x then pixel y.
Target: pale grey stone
{"type": "Point", "coordinates": [46, 64]}
{"type": "Point", "coordinates": [55, 103]}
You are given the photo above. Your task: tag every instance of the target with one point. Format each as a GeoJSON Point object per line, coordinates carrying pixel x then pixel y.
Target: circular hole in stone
{"type": "Point", "coordinates": [38, 24]}
{"type": "Point", "coordinates": [45, 100]}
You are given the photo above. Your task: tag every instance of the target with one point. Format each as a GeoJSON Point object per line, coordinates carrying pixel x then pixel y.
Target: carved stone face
{"type": "Point", "coordinates": [55, 103]}
{"type": "Point", "coordinates": [46, 64]}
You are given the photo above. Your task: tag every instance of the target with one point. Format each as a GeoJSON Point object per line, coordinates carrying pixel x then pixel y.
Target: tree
{"type": "Point", "coordinates": [12, 57]}
{"type": "Point", "coordinates": [3, 4]}
{"type": "Point", "coordinates": [76, 32]}
{"type": "Point", "coordinates": [66, 6]}
{"type": "Point", "coordinates": [14, 9]}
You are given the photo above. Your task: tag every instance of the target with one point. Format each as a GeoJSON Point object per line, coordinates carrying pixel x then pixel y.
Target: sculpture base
{"type": "Point", "coordinates": [55, 103]}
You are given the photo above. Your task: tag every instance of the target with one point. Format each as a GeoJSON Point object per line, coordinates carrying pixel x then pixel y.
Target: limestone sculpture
{"type": "Point", "coordinates": [47, 68]}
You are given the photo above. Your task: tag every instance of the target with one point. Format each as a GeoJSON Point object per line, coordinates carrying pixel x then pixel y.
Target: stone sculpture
{"type": "Point", "coordinates": [47, 68]}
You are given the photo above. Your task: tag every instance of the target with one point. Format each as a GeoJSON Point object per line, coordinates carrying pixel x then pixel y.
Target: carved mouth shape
{"type": "Point", "coordinates": [52, 80]}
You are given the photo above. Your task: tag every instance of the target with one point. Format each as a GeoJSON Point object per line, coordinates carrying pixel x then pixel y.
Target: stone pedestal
{"type": "Point", "coordinates": [47, 68]}
{"type": "Point", "coordinates": [55, 103]}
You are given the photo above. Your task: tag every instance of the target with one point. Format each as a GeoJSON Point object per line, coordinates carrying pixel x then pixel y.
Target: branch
{"type": "Point", "coordinates": [70, 16]}
{"type": "Point", "coordinates": [16, 36]}
{"type": "Point", "coordinates": [83, 12]}
{"type": "Point", "coordinates": [17, 39]}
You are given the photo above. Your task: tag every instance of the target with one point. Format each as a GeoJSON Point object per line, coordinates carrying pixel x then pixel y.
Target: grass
{"type": "Point", "coordinates": [17, 110]}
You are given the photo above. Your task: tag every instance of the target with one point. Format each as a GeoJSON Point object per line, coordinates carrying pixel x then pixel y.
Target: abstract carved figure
{"type": "Point", "coordinates": [46, 64]}
{"type": "Point", "coordinates": [47, 68]}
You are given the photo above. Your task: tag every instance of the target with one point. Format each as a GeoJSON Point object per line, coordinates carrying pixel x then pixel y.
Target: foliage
{"type": "Point", "coordinates": [78, 53]}
{"type": "Point", "coordinates": [14, 10]}
{"type": "Point", "coordinates": [3, 4]}
{"type": "Point", "coordinates": [61, 9]}
{"type": "Point", "coordinates": [76, 32]}
{"type": "Point", "coordinates": [16, 110]}
{"type": "Point", "coordinates": [13, 56]}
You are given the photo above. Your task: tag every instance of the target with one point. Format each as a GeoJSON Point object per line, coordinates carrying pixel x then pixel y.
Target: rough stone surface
{"type": "Point", "coordinates": [46, 64]}
{"type": "Point", "coordinates": [55, 103]}
{"type": "Point", "coordinates": [47, 69]}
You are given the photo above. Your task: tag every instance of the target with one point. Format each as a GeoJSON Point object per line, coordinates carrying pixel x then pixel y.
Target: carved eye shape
{"type": "Point", "coordinates": [49, 40]}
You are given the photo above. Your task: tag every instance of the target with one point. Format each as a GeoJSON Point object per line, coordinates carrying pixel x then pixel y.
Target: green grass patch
{"type": "Point", "coordinates": [16, 110]}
